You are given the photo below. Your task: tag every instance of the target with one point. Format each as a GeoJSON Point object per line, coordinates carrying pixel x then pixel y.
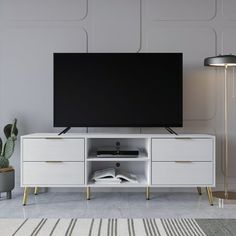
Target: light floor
{"type": "Point", "coordinates": [114, 205]}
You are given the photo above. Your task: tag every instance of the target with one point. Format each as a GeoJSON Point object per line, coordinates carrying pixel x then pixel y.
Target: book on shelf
{"type": "Point", "coordinates": [113, 176]}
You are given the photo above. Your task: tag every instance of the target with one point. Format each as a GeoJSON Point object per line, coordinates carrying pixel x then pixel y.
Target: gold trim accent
{"type": "Point", "coordinates": [148, 193]}
{"type": "Point", "coordinates": [199, 190]}
{"type": "Point", "coordinates": [54, 138]}
{"type": "Point", "coordinates": [54, 161]}
{"type": "Point", "coordinates": [88, 193]}
{"type": "Point", "coordinates": [183, 162]}
{"type": "Point", "coordinates": [187, 138]}
{"type": "Point", "coordinates": [226, 134]}
{"type": "Point", "coordinates": [25, 196]}
{"type": "Point", "coordinates": [210, 196]}
{"type": "Point", "coordinates": [36, 190]}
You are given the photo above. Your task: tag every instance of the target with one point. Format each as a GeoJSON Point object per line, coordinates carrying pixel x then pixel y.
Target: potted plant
{"type": "Point", "coordinates": [7, 173]}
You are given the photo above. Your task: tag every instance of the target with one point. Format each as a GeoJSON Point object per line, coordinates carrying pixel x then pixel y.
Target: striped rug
{"type": "Point", "coordinates": [100, 227]}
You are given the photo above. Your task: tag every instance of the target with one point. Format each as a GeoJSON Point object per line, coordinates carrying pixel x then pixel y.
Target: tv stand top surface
{"type": "Point", "coordinates": [114, 135]}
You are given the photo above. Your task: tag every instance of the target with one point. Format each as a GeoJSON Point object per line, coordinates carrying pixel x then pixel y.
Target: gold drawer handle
{"type": "Point", "coordinates": [54, 138]}
{"type": "Point", "coordinates": [183, 162]}
{"type": "Point", "coordinates": [184, 138]}
{"type": "Point", "coordinates": [53, 161]}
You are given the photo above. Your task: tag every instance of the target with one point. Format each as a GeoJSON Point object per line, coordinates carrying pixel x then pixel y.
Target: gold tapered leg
{"type": "Point", "coordinates": [147, 193]}
{"type": "Point", "coordinates": [199, 190]}
{"type": "Point", "coordinates": [210, 196]}
{"type": "Point", "coordinates": [25, 197]}
{"type": "Point", "coordinates": [212, 199]}
{"type": "Point", "coordinates": [36, 189]}
{"type": "Point", "coordinates": [88, 193]}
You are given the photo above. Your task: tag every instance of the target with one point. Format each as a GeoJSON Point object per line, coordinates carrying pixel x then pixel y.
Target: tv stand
{"type": "Point", "coordinates": [64, 131]}
{"type": "Point", "coordinates": [164, 160]}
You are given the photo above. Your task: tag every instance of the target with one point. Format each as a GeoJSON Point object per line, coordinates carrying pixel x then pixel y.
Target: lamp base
{"type": "Point", "coordinates": [230, 198]}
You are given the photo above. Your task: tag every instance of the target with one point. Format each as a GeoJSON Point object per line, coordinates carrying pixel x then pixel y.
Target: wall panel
{"type": "Point", "coordinates": [114, 26]}
{"type": "Point", "coordinates": [184, 10]}
{"type": "Point", "coordinates": [44, 10]}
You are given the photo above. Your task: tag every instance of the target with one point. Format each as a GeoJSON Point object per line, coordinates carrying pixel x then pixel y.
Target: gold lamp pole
{"type": "Point", "coordinates": [224, 61]}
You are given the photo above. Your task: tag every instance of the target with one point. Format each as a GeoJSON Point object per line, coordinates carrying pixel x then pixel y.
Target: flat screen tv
{"type": "Point", "coordinates": [118, 89]}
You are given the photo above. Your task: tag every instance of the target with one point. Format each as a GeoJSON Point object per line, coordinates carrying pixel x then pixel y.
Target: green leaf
{"type": "Point", "coordinates": [0, 146]}
{"type": "Point", "coordinates": [9, 148]}
{"type": "Point", "coordinates": [7, 130]}
{"type": "Point", "coordinates": [4, 163]}
{"type": "Point", "coordinates": [13, 136]}
{"type": "Point", "coordinates": [14, 130]}
{"type": "Point", "coordinates": [11, 130]}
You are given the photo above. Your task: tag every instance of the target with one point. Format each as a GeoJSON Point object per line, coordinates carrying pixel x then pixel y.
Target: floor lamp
{"type": "Point", "coordinates": [224, 61]}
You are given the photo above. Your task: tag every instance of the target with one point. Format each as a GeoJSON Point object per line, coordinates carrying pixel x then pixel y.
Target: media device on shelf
{"type": "Point", "coordinates": [118, 89]}
{"type": "Point", "coordinates": [117, 152]}
{"type": "Point", "coordinates": [109, 152]}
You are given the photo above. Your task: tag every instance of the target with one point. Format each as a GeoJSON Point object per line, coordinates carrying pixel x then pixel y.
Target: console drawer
{"type": "Point", "coordinates": [182, 149]}
{"type": "Point", "coordinates": [182, 173]}
{"type": "Point", "coordinates": [53, 173]}
{"type": "Point", "coordinates": [53, 149]}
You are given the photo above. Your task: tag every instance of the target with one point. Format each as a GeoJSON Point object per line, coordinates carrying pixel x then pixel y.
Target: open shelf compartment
{"type": "Point", "coordinates": [141, 144]}
{"type": "Point", "coordinates": [138, 168]}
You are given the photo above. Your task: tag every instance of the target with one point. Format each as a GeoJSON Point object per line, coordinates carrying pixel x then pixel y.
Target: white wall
{"type": "Point", "coordinates": [30, 31]}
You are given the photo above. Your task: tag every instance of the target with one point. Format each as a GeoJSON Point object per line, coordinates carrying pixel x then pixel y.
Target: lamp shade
{"type": "Point", "coordinates": [221, 60]}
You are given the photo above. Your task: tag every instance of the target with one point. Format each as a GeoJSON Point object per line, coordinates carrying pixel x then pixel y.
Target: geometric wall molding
{"type": "Point", "coordinates": [46, 10]}
{"type": "Point", "coordinates": [195, 42]}
{"type": "Point", "coordinates": [114, 26]}
{"type": "Point", "coordinates": [183, 10]}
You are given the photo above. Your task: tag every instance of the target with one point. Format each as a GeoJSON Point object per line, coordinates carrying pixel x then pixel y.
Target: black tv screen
{"type": "Point", "coordinates": [118, 89]}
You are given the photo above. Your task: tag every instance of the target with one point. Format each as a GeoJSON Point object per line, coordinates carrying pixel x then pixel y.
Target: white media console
{"type": "Point", "coordinates": [167, 160]}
